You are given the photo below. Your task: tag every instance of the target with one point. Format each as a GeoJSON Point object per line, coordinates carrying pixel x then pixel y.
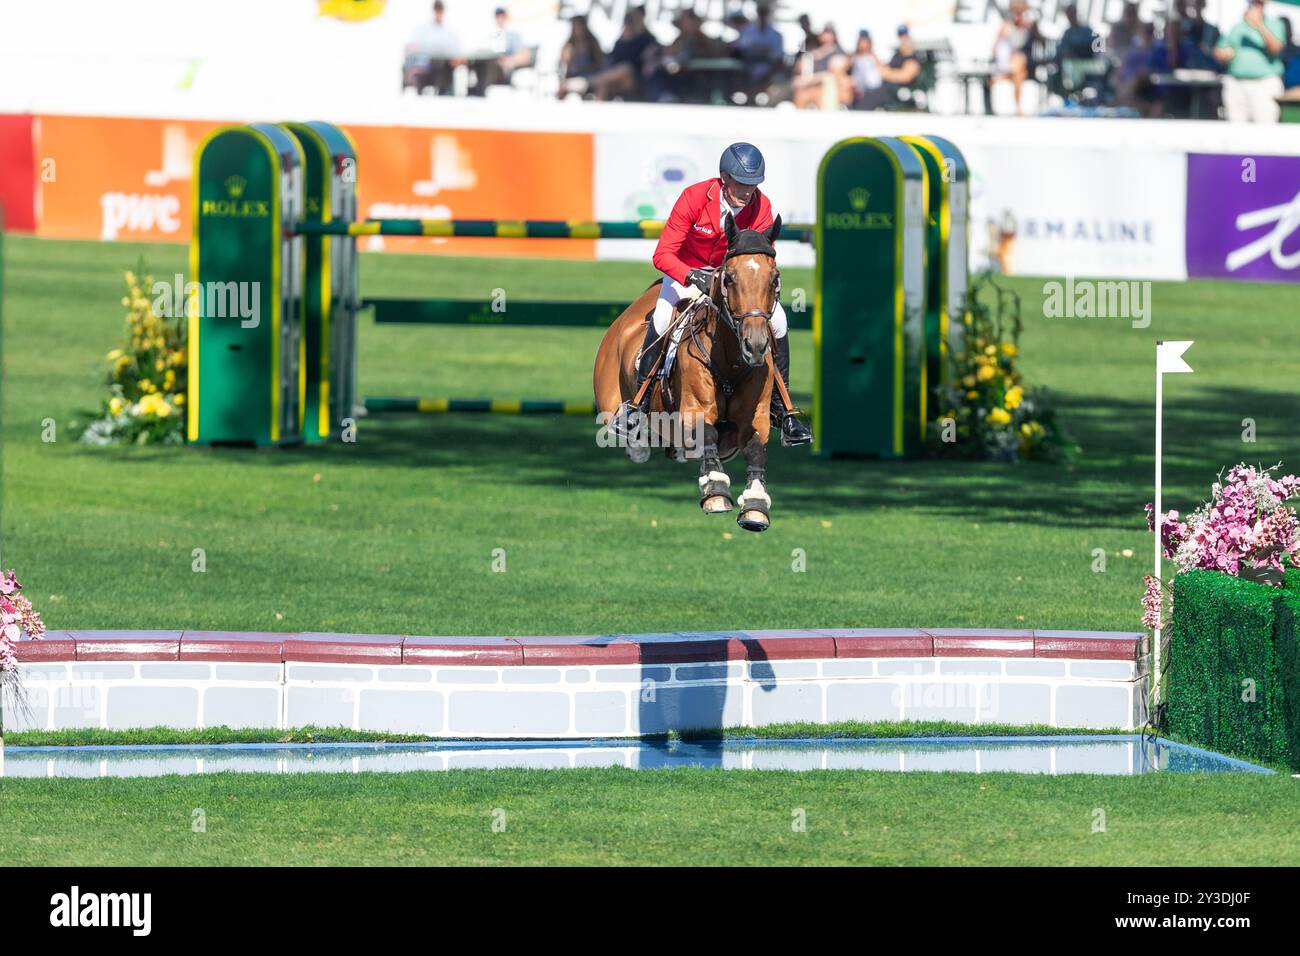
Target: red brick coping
{"type": "Point", "coordinates": [667, 648]}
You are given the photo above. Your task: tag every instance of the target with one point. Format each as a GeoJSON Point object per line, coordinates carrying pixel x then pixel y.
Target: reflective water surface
{"type": "Point", "coordinates": [1122, 754]}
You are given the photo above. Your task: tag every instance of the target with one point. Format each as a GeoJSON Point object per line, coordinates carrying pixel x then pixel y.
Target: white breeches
{"type": "Point", "coordinates": [672, 292]}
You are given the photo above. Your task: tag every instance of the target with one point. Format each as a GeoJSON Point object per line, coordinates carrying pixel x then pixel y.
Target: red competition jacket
{"type": "Point", "coordinates": [692, 238]}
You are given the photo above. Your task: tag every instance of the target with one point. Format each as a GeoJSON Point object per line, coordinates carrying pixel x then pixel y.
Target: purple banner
{"type": "Point", "coordinates": [1243, 217]}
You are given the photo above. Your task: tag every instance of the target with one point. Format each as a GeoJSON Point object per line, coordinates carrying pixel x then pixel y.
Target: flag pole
{"type": "Point", "coordinates": [1169, 359]}
{"type": "Point", "coordinates": [1160, 401]}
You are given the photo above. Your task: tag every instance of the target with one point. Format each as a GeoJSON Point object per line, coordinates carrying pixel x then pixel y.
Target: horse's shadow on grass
{"type": "Point", "coordinates": [1106, 484]}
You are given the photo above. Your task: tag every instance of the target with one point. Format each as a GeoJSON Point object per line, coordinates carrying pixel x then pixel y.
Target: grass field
{"type": "Point", "coordinates": [636, 817]}
{"type": "Point", "coordinates": [396, 534]}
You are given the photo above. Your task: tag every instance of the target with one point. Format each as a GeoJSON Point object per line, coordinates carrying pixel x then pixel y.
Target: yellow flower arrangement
{"type": "Point", "coordinates": [147, 377]}
{"type": "Point", "coordinates": [997, 416]}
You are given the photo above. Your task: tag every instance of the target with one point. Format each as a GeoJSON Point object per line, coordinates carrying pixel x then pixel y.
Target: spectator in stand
{"type": "Point", "coordinates": [811, 38]}
{"type": "Point", "coordinates": [580, 59]}
{"type": "Point", "coordinates": [761, 48]}
{"type": "Point", "coordinates": [869, 91]}
{"type": "Point", "coordinates": [1133, 75]}
{"type": "Point", "coordinates": [1078, 42]}
{"type": "Point", "coordinates": [1290, 59]}
{"type": "Point", "coordinates": [1197, 29]}
{"type": "Point", "coordinates": [1124, 31]}
{"type": "Point", "coordinates": [1177, 51]}
{"type": "Point", "coordinates": [511, 54]}
{"type": "Point", "coordinates": [1252, 52]}
{"type": "Point", "coordinates": [669, 78]}
{"type": "Point", "coordinates": [621, 77]}
{"type": "Point", "coordinates": [1174, 51]}
{"type": "Point", "coordinates": [1013, 51]}
{"type": "Point", "coordinates": [824, 78]}
{"type": "Point", "coordinates": [904, 67]}
{"type": "Point", "coordinates": [431, 54]}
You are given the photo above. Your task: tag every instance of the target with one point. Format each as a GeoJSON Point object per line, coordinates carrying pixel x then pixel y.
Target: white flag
{"type": "Point", "coordinates": [1169, 357]}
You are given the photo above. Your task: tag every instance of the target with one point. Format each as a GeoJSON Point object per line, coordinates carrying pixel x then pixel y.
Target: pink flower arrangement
{"type": "Point", "coordinates": [17, 618]}
{"type": "Point", "coordinates": [1246, 526]}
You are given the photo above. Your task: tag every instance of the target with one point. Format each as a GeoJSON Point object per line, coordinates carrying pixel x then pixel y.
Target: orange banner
{"type": "Point", "coordinates": [129, 179]}
{"type": "Point", "coordinates": [107, 178]}
{"type": "Point", "coordinates": [411, 173]}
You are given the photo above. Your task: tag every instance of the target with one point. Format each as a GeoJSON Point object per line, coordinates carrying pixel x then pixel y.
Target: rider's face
{"type": "Point", "coordinates": [738, 194]}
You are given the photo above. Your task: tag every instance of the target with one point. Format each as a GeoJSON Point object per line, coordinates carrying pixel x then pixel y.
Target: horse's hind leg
{"type": "Point", "coordinates": [755, 503]}
{"type": "Point", "coordinates": [715, 486]}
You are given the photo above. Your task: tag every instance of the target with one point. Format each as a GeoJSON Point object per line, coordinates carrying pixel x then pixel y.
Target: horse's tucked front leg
{"type": "Point", "coordinates": [755, 504]}
{"type": "Point", "coordinates": [715, 486]}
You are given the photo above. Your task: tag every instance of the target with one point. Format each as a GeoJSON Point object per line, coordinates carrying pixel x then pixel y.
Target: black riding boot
{"type": "Point", "coordinates": [793, 431]}
{"type": "Point", "coordinates": [622, 423]}
{"type": "Point", "coordinates": [650, 350]}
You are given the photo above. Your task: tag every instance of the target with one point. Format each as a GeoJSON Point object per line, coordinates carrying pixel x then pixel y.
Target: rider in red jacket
{"type": "Point", "coordinates": [694, 243]}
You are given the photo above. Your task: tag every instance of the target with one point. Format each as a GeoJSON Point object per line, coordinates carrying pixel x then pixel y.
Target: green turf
{"type": "Point", "coordinates": [396, 534]}
{"type": "Point", "coordinates": [641, 817]}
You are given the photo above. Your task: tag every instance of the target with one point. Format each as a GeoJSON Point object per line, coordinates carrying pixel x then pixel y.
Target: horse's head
{"type": "Point", "coordinates": [748, 287]}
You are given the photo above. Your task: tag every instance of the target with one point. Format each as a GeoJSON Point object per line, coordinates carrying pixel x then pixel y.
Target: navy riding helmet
{"type": "Point", "coordinates": [743, 163]}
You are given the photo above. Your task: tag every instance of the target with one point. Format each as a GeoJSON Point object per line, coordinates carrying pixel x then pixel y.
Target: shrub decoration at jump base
{"type": "Point", "coordinates": [18, 620]}
{"type": "Point", "coordinates": [146, 377]}
{"type": "Point", "coordinates": [987, 411]}
{"type": "Point", "coordinates": [1232, 611]}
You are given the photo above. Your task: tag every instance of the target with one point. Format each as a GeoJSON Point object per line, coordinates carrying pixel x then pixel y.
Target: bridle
{"type": "Point", "coordinates": [717, 301]}
{"type": "Point", "coordinates": [733, 322]}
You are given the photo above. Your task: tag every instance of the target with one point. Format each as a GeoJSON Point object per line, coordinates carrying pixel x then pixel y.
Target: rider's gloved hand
{"type": "Point", "coordinates": [700, 278]}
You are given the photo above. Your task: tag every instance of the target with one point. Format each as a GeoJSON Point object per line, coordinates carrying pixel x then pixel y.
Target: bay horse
{"type": "Point", "coordinates": [720, 384]}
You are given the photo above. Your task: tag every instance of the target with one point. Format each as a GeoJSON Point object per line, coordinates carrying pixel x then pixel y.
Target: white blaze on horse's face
{"type": "Point", "coordinates": [750, 284]}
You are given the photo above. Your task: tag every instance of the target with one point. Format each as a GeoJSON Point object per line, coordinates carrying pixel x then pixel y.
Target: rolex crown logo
{"type": "Point", "coordinates": [235, 186]}
{"type": "Point", "coordinates": [858, 199]}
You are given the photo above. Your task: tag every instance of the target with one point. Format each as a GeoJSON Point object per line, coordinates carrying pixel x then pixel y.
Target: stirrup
{"type": "Point", "coordinates": [620, 425]}
{"type": "Point", "coordinates": [802, 433]}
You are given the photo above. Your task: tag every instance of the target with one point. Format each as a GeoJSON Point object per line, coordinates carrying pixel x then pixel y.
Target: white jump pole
{"type": "Point", "coordinates": [1169, 358]}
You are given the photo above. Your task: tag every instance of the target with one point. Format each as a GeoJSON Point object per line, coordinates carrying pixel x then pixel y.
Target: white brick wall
{"type": "Point", "coordinates": [576, 702]}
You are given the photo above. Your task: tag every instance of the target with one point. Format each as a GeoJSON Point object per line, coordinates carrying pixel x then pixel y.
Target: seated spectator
{"type": "Point", "coordinates": [1124, 31]}
{"type": "Point", "coordinates": [1078, 42]}
{"type": "Point", "coordinates": [904, 67]}
{"type": "Point", "coordinates": [1133, 75]}
{"type": "Point", "coordinates": [1290, 59]}
{"type": "Point", "coordinates": [511, 55]}
{"type": "Point", "coordinates": [1174, 51]}
{"type": "Point", "coordinates": [580, 59]}
{"type": "Point", "coordinates": [1013, 51]}
{"type": "Point", "coordinates": [823, 79]}
{"type": "Point", "coordinates": [761, 48]}
{"type": "Point", "coordinates": [1252, 53]}
{"type": "Point", "coordinates": [621, 76]}
{"type": "Point", "coordinates": [668, 79]}
{"type": "Point", "coordinates": [431, 54]}
{"type": "Point", "coordinates": [869, 92]}
{"type": "Point", "coordinates": [1197, 29]}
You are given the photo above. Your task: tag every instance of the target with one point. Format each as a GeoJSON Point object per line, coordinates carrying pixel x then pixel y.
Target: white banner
{"type": "Point", "coordinates": [1045, 211]}
{"type": "Point", "coordinates": [1035, 209]}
